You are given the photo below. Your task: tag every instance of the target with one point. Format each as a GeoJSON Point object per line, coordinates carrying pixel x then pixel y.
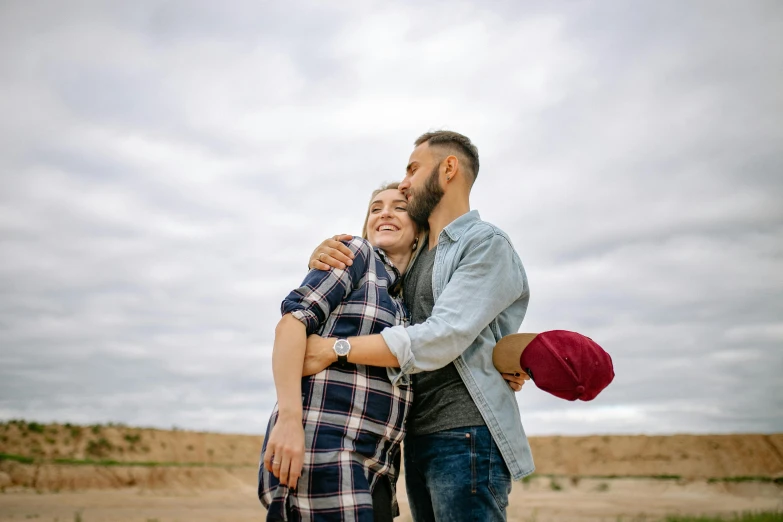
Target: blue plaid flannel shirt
{"type": "Point", "coordinates": [353, 417]}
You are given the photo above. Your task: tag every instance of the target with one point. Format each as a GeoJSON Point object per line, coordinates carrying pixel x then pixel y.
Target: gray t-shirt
{"type": "Point", "coordinates": [440, 399]}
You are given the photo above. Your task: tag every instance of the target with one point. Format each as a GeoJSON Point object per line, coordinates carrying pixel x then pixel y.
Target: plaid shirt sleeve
{"type": "Point", "coordinates": [322, 291]}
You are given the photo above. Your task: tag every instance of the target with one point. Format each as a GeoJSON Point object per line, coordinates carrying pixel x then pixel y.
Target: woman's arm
{"type": "Point", "coordinates": [304, 310]}
{"type": "Point", "coordinates": [285, 447]}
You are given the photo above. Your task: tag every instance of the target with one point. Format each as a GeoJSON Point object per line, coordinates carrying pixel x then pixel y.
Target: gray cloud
{"type": "Point", "coordinates": [167, 170]}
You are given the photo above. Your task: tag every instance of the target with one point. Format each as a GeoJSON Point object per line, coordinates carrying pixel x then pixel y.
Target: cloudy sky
{"type": "Point", "coordinates": [167, 167]}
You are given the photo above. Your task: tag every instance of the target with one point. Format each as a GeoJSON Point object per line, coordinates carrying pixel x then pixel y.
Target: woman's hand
{"type": "Point", "coordinates": [516, 380]}
{"type": "Point", "coordinates": [319, 355]}
{"type": "Point", "coordinates": [332, 253]}
{"type": "Point", "coordinates": [285, 449]}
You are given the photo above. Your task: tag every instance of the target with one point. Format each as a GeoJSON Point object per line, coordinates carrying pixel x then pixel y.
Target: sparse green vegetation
{"type": "Point", "coordinates": [554, 485]}
{"type": "Point", "coordinates": [132, 439]}
{"type": "Point", "coordinates": [603, 486]}
{"type": "Point", "coordinates": [16, 458]}
{"type": "Point", "coordinates": [767, 516]}
{"type": "Point", "coordinates": [96, 429]}
{"type": "Point", "coordinates": [145, 464]}
{"type": "Point", "coordinates": [653, 477]}
{"type": "Point", "coordinates": [576, 478]}
{"type": "Point", "coordinates": [99, 448]}
{"type": "Point", "coordinates": [776, 480]}
{"type": "Point", "coordinates": [35, 427]}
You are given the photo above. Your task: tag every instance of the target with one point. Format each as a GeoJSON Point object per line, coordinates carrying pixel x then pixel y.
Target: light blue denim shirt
{"type": "Point", "coordinates": [481, 294]}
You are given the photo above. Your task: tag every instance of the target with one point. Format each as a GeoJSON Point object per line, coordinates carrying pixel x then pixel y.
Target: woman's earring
{"type": "Point", "coordinates": [415, 243]}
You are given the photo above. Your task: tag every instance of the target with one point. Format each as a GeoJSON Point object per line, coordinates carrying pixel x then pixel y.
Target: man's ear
{"type": "Point", "coordinates": [451, 165]}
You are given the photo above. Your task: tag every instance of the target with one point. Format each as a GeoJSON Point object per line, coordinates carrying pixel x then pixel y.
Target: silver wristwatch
{"type": "Point", "coordinates": [342, 347]}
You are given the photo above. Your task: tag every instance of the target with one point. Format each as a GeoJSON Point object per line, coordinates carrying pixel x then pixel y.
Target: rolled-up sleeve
{"type": "Point", "coordinates": [488, 279]}
{"type": "Point", "coordinates": [322, 291]}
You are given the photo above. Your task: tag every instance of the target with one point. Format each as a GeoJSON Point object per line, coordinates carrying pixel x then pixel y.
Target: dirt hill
{"type": "Point", "coordinates": [125, 444]}
{"type": "Point", "coordinates": [57, 456]}
{"type": "Point", "coordinates": [687, 456]}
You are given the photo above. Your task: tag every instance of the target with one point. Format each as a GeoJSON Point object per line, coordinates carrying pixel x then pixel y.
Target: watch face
{"type": "Point", "coordinates": [342, 347]}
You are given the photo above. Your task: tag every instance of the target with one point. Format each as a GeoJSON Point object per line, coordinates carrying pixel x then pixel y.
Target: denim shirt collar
{"type": "Point", "coordinates": [456, 228]}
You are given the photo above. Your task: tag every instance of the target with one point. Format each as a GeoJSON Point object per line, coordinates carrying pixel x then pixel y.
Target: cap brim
{"type": "Point", "coordinates": [507, 353]}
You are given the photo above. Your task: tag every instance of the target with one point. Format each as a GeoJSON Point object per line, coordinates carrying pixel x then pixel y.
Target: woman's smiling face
{"type": "Point", "coordinates": [388, 225]}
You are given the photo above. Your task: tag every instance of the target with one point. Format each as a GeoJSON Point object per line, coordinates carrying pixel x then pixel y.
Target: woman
{"type": "Point", "coordinates": [341, 428]}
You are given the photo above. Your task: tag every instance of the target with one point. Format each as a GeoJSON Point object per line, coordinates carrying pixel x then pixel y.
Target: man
{"type": "Point", "coordinates": [466, 289]}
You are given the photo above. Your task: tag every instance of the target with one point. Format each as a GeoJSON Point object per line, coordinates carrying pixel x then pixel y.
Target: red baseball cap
{"type": "Point", "coordinates": [566, 364]}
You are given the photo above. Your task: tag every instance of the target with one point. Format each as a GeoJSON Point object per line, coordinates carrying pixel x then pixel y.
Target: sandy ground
{"type": "Point", "coordinates": [591, 500]}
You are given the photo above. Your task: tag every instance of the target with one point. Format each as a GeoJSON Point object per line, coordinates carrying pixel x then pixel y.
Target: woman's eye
{"type": "Point", "coordinates": [404, 209]}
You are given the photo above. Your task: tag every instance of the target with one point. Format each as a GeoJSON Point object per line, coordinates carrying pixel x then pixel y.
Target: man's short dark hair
{"type": "Point", "coordinates": [455, 143]}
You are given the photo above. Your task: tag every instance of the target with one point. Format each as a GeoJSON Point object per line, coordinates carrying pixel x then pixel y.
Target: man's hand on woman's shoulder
{"type": "Point", "coordinates": [332, 253]}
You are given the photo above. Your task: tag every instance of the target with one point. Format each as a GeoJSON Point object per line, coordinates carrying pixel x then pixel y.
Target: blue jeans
{"type": "Point", "coordinates": [456, 475]}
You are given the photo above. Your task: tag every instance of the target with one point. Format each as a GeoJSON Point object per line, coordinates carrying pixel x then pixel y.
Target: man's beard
{"type": "Point", "coordinates": [425, 200]}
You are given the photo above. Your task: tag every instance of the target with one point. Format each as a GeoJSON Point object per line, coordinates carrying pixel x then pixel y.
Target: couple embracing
{"type": "Point", "coordinates": [406, 320]}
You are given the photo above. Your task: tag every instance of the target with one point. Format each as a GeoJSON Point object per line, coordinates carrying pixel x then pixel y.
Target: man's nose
{"type": "Point", "coordinates": [404, 185]}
